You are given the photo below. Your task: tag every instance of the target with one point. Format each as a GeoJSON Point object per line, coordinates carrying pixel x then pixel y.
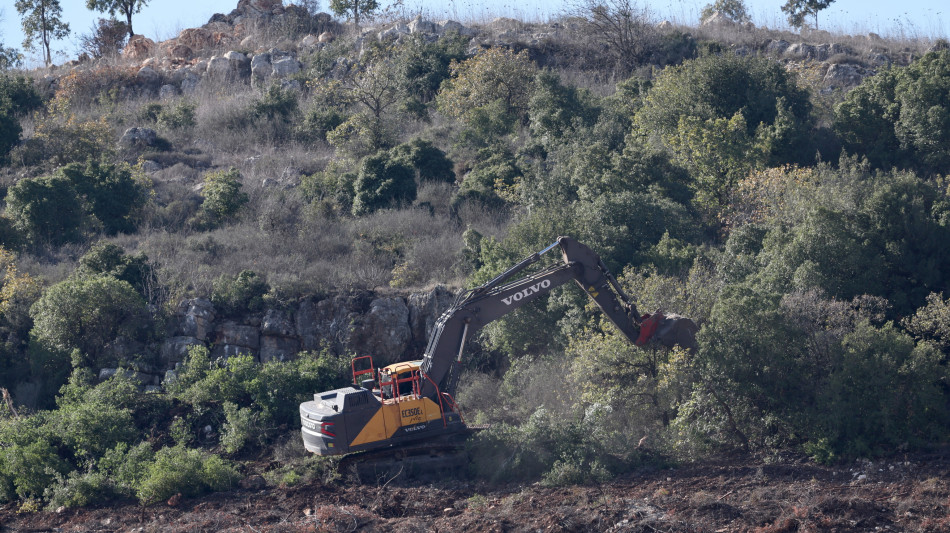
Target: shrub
{"type": "Point", "coordinates": [114, 192]}
{"type": "Point", "coordinates": [186, 471]}
{"type": "Point", "coordinates": [80, 489]}
{"type": "Point", "coordinates": [20, 94]}
{"type": "Point", "coordinates": [240, 294]}
{"type": "Point", "coordinates": [430, 163]}
{"type": "Point", "coordinates": [718, 87]}
{"type": "Point", "coordinates": [899, 116]}
{"type": "Point", "coordinates": [47, 209]}
{"type": "Point", "coordinates": [276, 103]}
{"type": "Point", "coordinates": [87, 314]}
{"type": "Point", "coordinates": [106, 39]}
{"type": "Point", "coordinates": [241, 428]}
{"type": "Point", "coordinates": [222, 194]}
{"type": "Point", "coordinates": [383, 181]}
{"type": "Point", "coordinates": [495, 75]}
{"type": "Point", "coordinates": [110, 259]}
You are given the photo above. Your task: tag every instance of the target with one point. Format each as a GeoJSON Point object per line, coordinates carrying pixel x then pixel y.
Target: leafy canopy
{"type": "Point", "coordinates": [125, 7]}
{"type": "Point", "coordinates": [42, 23]}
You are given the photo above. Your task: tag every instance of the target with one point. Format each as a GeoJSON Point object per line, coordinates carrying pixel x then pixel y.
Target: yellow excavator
{"type": "Point", "coordinates": [412, 402]}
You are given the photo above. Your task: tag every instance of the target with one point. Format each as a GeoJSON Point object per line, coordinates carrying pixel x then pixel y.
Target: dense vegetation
{"type": "Point", "coordinates": [805, 232]}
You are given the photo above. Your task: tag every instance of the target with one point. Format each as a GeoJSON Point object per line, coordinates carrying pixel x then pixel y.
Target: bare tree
{"type": "Point", "coordinates": [622, 26]}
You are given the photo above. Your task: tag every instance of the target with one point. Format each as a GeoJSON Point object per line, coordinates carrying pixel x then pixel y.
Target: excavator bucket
{"type": "Point", "coordinates": [668, 330]}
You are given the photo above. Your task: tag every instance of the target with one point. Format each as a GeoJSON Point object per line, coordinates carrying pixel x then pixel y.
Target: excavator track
{"type": "Point", "coordinates": [428, 460]}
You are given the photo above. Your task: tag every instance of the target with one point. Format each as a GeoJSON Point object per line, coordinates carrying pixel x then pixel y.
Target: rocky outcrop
{"type": "Point", "coordinates": [390, 328]}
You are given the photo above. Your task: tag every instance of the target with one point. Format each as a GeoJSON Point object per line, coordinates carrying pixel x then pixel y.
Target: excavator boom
{"type": "Point", "coordinates": [363, 418]}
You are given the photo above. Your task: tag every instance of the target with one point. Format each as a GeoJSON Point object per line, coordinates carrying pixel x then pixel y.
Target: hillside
{"type": "Point", "coordinates": [198, 234]}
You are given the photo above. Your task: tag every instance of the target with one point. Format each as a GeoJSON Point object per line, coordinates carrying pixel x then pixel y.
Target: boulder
{"type": "Point", "coordinates": [176, 50]}
{"type": "Point", "coordinates": [457, 27]}
{"type": "Point", "coordinates": [239, 62]}
{"type": "Point", "coordinates": [309, 41]}
{"type": "Point", "coordinates": [717, 19]}
{"type": "Point", "coordinates": [167, 91]}
{"type": "Point", "coordinates": [383, 332]}
{"type": "Point", "coordinates": [195, 318]}
{"type": "Point", "coordinates": [777, 47]}
{"type": "Point", "coordinates": [284, 67]}
{"type": "Point", "coordinates": [802, 50]}
{"type": "Point", "coordinates": [420, 25]}
{"type": "Point", "coordinates": [424, 310]}
{"type": "Point", "coordinates": [261, 68]}
{"type": "Point", "coordinates": [845, 75]}
{"type": "Point", "coordinates": [195, 38]}
{"type": "Point", "coordinates": [148, 77]}
{"type": "Point", "coordinates": [219, 67]}
{"type": "Point", "coordinates": [138, 48]}
{"type": "Point", "coordinates": [326, 37]}
{"type": "Point", "coordinates": [138, 138]}
{"type": "Point", "coordinates": [276, 322]}
{"type": "Point", "coordinates": [189, 84]}
{"type": "Point", "coordinates": [393, 32]}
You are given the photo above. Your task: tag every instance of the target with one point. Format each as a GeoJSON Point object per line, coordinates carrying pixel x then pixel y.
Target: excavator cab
{"type": "Point", "coordinates": [400, 380]}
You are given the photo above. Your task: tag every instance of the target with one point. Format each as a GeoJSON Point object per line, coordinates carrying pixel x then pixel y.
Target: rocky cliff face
{"type": "Point", "coordinates": [390, 328]}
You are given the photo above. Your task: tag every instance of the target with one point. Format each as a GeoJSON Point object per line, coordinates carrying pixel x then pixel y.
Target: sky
{"type": "Point", "coordinates": [163, 19]}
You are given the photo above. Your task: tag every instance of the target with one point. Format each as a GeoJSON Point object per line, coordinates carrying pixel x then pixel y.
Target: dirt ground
{"type": "Point", "coordinates": [900, 494]}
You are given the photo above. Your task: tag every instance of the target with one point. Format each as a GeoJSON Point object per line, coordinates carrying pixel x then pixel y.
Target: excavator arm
{"type": "Point", "coordinates": [486, 303]}
{"type": "Point", "coordinates": [363, 418]}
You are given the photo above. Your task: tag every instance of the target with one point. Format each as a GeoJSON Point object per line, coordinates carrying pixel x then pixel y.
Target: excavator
{"type": "Point", "coordinates": [412, 403]}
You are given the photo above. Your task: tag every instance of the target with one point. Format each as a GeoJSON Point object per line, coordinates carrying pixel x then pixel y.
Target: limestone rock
{"type": "Point", "coordinates": [277, 348]}
{"type": "Point", "coordinates": [384, 332]}
{"type": "Point", "coordinates": [717, 19]}
{"type": "Point", "coordinates": [239, 62]}
{"type": "Point", "coordinates": [777, 47]}
{"type": "Point", "coordinates": [167, 91]}
{"type": "Point", "coordinates": [148, 77]}
{"type": "Point", "coordinates": [420, 25]}
{"type": "Point", "coordinates": [175, 349]}
{"type": "Point", "coordinates": [237, 335]}
{"type": "Point", "coordinates": [424, 310]}
{"type": "Point", "coordinates": [138, 48]}
{"type": "Point", "coordinates": [845, 75]}
{"type": "Point", "coordinates": [138, 138]}
{"type": "Point", "coordinates": [195, 318]}
{"type": "Point", "coordinates": [285, 67]}
{"type": "Point", "coordinates": [196, 38]}
{"type": "Point", "coordinates": [277, 322]}
{"type": "Point", "coordinates": [457, 27]}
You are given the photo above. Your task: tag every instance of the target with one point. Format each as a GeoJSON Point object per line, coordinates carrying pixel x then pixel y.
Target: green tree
{"type": "Point", "coordinates": [383, 181]}
{"type": "Point", "coordinates": [495, 75]}
{"type": "Point", "coordinates": [354, 9]}
{"type": "Point", "coordinates": [47, 209]}
{"type": "Point", "coordinates": [222, 194]}
{"type": "Point", "coordinates": [125, 7]}
{"type": "Point", "coordinates": [900, 116]}
{"type": "Point", "coordinates": [42, 24]}
{"type": "Point", "coordinates": [776, 111]}
{"type": "Point", "coordinates": [114, 192]}
{"type": "Point", "coordinates": [430, 162]}
{"type": "Point", "coordinates": [111, 259]}
{"type": "Point", "coordinates": [799, 10]}
{"type": "Point", "coordinates": [87, 314]}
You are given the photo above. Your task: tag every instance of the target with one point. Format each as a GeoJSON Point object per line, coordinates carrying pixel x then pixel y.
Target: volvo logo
{"type": "Point", "coordinates": [522, 294]}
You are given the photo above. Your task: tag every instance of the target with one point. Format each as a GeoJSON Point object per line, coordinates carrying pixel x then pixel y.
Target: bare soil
{"type": "Point", "coordinates": [909, 493]}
